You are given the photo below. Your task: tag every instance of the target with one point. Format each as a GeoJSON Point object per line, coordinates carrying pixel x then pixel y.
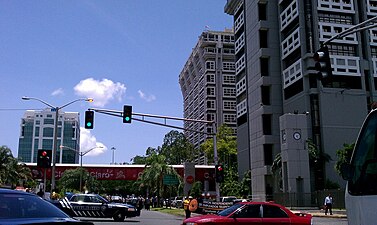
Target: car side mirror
{"type": "Point", "coordinates": [347, 171]}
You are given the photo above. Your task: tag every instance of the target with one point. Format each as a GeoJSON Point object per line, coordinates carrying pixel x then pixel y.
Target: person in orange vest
{"type": "Point", "coordinates": [186, 204]}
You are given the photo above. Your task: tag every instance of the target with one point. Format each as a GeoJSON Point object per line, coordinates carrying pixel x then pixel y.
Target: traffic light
{"type": "Point", "coordinates": [219, 173]}
{"type": "Point", "coordinates": [323, 63]}
{"type": "Point", "coordinates": [89, 119]}
{"type": "Point", "coordinates": [44, 158]}
{"type": "Point", "coordinates": [127, 114]}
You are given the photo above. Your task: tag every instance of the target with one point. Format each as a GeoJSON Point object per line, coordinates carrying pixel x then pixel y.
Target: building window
{"type": "Point", "coordinates": [263, 38]}
{"type": "Point", "coordinates": [230, 92]}
{"type": "Point", "coordinates": [267, 124]}
{"type": "Point", "coordinates": [264, 66]}
{"type": "Point", "coordinates": [229, 66]}
{"type": "Point", "coordinates": [210, 65]}
{"type": "Point", "coordinates": [229, 79]}
{"type": "Point", "coordinates": [229, 118]}
{"type": "Point", "coordinates": [210, 117]}
{"type": "Point", "coordinates": [211, 78]}
{"type": "Point", "coordinates": [48, 121]}
{"type": "Point", "coordinates": [230, 105]}
{"type": "Point", "coordinates": [37, 122]}
{"type": "Point", "coordinates": [262, 11]}
{"type": "Point", "coordinates": [268, 156]}
{"type": "Point", "coordinates": [211, 91]}
{"type": "Point", "coordinates": [265, 92]}
{"type": "Point", "coordinates": [210, 104]}
{"type": "Point", "coordinates": [36, 132]}
{"type": "Point", "coordinates": [48, 132]}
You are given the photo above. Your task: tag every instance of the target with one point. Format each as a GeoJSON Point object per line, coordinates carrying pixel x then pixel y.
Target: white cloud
{"type": "Point", "coordinates": [58, 91]}
{"type": "Point", "coordinates": [88, 141]}
{"type": "Point", "coordinates": [148, 98]}
{"type": "Point", "coordinates": [101, 91]}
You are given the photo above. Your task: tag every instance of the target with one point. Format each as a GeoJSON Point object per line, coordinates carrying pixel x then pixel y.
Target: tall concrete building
{"type": "Point", "coordinates": [281, 105]}
{"type": "Point", "coordinates": [208, 85]}
{"type": "Point", "coordinates": [37, 132]}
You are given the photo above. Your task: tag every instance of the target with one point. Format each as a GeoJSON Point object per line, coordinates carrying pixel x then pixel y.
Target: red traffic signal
{"type": "Point", "coordinates": [219, 173]}
{"type": "Point", "coordinates": [44, 158]}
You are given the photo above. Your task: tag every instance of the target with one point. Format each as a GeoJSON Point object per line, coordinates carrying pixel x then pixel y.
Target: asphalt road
{"type": "Point", "coordinates": [156, 218]}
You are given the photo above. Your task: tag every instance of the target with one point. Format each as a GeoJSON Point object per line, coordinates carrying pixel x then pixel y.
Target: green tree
{"type": "Point", "coordinates": [152, 176]}
{"type": "Point", "coordinates": [226, 147]}
{"type": "Point", "coordinates": [231, 185]}
{"type": "Point", "coordinates": [138, 160]}
{"type": "Point", "coordinates": [246, 184]}
{"type": "Point", "coordinates": [11, 171]}
{"type": "Point", "coordinates": [70, 181]}
{"type": "Point", "coordinates": [344, 156]}
{"type": "Point", "coordinates": [196, 189]}
{"type": "Point", "coordinates": [177, 149]}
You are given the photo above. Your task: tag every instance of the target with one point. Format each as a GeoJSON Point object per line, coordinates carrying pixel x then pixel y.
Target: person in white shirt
{"type": "Point", "coordinates": [328, 204]}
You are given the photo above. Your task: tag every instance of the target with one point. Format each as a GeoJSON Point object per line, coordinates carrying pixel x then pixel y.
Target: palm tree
{"type": "Point", "coordinates": [11, 171]}
{"type": "Point", "coordinates": [152, 176]}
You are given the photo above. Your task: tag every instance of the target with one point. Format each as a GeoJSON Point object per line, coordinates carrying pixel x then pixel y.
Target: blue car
{"type": "Point", "coordinates": [18, 207]}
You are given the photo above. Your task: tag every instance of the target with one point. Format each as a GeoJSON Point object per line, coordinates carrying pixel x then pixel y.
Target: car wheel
{"type": "Point", "coordinates": [119, 216]}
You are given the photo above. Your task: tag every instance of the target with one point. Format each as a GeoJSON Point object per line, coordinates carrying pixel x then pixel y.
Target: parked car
{"type": "Point", "coordinates": [93, 205]}
{"type": "Point", "coordinates": [253, 213]}
{"type": "Point", "coordinates": [177, 202]}
{"type": "Point", "coordinates": [228, 198]}
{"type": "Point", "coordinates": [18, 207]}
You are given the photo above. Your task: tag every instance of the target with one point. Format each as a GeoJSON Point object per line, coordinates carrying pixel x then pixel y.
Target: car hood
{"type": "Point", "coordinates": [202, 218]}
{"type": "Point", "coordinates": [44, 221]}
{"type": "Point", "coordinates": [115, 204]}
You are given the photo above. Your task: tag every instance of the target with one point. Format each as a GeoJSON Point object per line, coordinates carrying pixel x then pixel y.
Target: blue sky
{"type": "Point", "coordinates": [118, 52]}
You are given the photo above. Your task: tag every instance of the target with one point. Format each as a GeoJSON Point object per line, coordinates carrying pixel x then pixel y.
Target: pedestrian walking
{"type": "Point", "coordinates": [328, 204]}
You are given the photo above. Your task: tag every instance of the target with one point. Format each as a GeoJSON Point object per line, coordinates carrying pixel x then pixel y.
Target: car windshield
{"type": "Point", "coordinates": [230, 210]}
{"type": "Point", "coordinates": [27, 206]}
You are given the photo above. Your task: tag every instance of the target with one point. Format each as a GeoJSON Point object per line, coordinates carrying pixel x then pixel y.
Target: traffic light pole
{"type": "Point", "coordinates": [216, 161]}
{"type": "Point", "coordinates": [142, 115]}
{"type": "Point", "coordinates": [356, 28]}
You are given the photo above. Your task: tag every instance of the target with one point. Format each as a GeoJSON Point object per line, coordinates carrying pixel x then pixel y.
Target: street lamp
{"type": "Point", "coordinates": [81, 154]}
{"type": "Point", "coordinates": [54, 149]}
{"type": "Point", "coordinates": [112, 161]}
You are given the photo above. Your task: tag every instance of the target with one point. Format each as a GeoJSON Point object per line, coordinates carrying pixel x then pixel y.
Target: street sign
{"type": "Point", "coordinates": [170, 180]}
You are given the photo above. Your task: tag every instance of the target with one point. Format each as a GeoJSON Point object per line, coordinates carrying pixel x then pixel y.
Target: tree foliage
{"type": "Point", "coordinates": [11, 171]}
{"type": "Point", "coordinates": [344, 156]}
{"type": "Point", "coordinates": [177, 149]}
{"type": "Point", "coordinates": [70, 181]}
{"type": "Point", "coordinates": [152, 176]}
{"type": "Point", "coordinates": [226, 147]}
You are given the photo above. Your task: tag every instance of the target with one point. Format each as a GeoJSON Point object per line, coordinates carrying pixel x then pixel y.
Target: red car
{"type": "Point", "coordinates": [253, 213]}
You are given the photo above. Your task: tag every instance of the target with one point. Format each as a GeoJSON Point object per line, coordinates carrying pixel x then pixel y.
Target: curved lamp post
{"type": "Point", "coordinates": [54, 149]}
{"type": "Point", "coordinates": [81, 154]}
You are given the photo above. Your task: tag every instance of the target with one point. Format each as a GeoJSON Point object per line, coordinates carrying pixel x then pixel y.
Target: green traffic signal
{"type": "Point", "coordinates": [89, 119]}
{"type": "Point", "coordinates": [127, 113]}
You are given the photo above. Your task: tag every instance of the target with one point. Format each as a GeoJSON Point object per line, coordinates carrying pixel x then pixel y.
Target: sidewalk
{"type": "Point", "coordinates": [337, 213]}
